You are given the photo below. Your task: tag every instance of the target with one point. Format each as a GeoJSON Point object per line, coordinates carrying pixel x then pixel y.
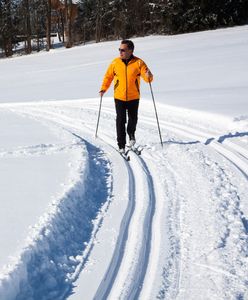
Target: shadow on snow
{"type": "Point", "coordinates": [221, 139]}
{"type": "Point", "coordinates": [52, 259]}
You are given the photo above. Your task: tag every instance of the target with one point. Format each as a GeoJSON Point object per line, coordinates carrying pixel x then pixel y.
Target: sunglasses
{"type": "Point", "coordinates": [122, 50]}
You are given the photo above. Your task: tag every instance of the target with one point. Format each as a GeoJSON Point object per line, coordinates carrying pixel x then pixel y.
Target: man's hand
{"type": "Point", "coordinates": [101, 93]}
{"type": "Point", "coordinates": [149, 74]}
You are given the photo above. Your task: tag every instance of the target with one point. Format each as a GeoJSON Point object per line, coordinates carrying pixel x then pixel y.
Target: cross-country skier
{"type": "Point", "coordinates": [126, 71]}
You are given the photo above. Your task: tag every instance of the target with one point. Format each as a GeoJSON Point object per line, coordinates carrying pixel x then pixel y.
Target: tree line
{"type": "Point", "coordinates": [34, 22]}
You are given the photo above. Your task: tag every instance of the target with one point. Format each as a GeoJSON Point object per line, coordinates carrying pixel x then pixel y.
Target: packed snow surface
{"type": "Point", "coordinates": [79, 222]}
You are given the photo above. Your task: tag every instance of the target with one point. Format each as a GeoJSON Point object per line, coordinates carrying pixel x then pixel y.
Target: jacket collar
{"type": "Point", "coordinates": [126, 61]}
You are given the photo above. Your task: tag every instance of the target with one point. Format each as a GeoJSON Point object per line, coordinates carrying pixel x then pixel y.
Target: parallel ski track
{"type": "Point", "coordinates": [231, 151]}
{"type": "Point", "coordinates": [110, 275]}
{"type": "Point", "coordinates": [143, 257]}
{"type": "Point", "coordinates": [142, 264]}
{"type": "Point", "coordinates": [104, 289]}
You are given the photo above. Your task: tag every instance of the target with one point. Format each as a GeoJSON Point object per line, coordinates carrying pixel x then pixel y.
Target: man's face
{"type": "Point", "coordinates": [125, 53]}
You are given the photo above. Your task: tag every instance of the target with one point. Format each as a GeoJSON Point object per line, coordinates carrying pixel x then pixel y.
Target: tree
{"type": "Point", "coordinates": [6, 28]}
{"type": "Point", "coordinates": [32, 20]}
{"type": "Point", "coordinates": [48, 25]}
{"type": "Point", "coordinates": [28, 27]}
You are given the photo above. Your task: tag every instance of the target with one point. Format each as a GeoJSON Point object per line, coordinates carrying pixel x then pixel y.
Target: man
{"type": "Point", "coordinates": [126, 71]}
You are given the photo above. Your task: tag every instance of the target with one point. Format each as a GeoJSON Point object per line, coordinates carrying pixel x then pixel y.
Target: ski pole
{"type": "Point", "coordinates": [98, 116]}
{"type": "Point", "coordinates": [156, 114]}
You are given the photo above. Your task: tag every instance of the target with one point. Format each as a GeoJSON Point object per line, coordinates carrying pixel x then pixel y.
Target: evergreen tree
{"type": "Point", "coordinates": [7, 30]}
{"type": "Point", "coordinates": [111, 19]}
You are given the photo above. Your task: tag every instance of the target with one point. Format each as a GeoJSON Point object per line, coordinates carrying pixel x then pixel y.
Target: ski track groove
{"type": "Point", "coordinates": [235, 154]}
{"type": "Point", "coordinates": [230, 151]}
{"type": "Point", "coordinates": [105, 286]}
{"type": "Point", "coordinates": [142, 264]}
{"type": "Point", "coordinates": [139, 274]}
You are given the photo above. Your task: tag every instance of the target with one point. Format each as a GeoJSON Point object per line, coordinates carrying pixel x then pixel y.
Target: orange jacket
{"type": "Point", "coordinates": [126, 78]}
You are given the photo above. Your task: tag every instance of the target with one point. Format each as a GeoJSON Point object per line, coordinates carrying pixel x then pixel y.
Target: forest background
{"type": "Point", "coordinates": [30, 25]}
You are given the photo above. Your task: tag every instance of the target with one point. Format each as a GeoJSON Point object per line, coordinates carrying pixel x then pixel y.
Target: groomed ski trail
{"type": "Point", "coordinates": [126, 272]}
{"type": "Point", "coordinates": [163, 268]}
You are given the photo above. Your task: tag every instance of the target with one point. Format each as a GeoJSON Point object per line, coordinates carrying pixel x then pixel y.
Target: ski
{"type": "Point", "coordinates": [137, 150]}
{"type": "Point", "coordinates": [125, 155]}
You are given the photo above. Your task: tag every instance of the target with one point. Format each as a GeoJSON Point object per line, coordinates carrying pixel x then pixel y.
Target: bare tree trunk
{"type": "Point", "coordinates": [68, 23]}
{"type": "Point", "coordinates": [7, 35]}
{"type": "Point", "coordinates": [84, 34]}
{"type": "Point", "coordinates": [38, 35]}
{"type": "Point", "coordinates": [62, 20]}
{"type": "Point", "coordinates": [36, 29]}
{"type": "Point", "coordinates": [48, 25]}
{"type": "Point", "coordinates": [28, 27]}
{"type": "Point", "coordinates": [98, 21]}
{"type": "Point", "coordinates": [66, 34]}
{"type": "Point", "coordinates": [58, 25]}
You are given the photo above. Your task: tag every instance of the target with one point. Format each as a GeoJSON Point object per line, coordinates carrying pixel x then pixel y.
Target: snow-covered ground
{"type": "Point", "coordinates": [79, 222]}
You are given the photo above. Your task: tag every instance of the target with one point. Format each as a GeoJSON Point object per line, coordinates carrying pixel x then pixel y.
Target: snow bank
{"type": "Point", "coordinates": [63, 238]}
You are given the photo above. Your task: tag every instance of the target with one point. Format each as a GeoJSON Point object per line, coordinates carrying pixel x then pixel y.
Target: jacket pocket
{"type": "Point", "coordinates": [116, 84]}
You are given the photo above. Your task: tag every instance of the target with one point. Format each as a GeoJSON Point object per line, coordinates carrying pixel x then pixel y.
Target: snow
{"type": "Point", "coordinates": [205, 71]}
{"type": "Point", "coordinates": [24, 165]}
{"type": "Point", "coordinates": [77, 221]}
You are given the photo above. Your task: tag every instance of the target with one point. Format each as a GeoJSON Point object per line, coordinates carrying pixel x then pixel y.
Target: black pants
{"type": "Point", "coordinates": [122, 109]}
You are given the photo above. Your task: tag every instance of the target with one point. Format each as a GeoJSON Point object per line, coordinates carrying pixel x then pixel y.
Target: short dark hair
{"type": "Point", "coordinates": [129, 44]}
